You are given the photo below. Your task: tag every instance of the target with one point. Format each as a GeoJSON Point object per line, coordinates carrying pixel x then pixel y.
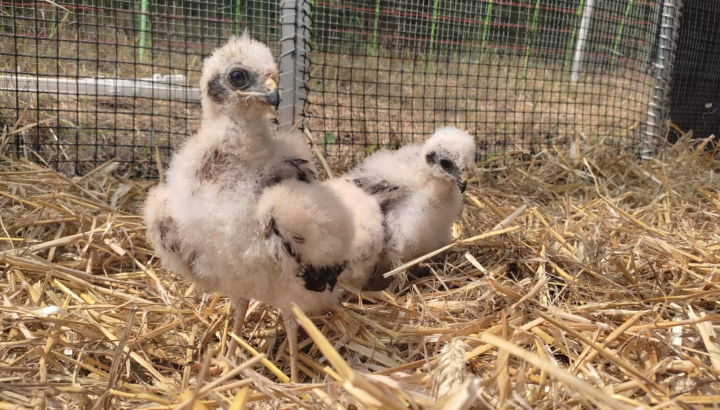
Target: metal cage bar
{"type": "Point", "coordinates": [294, 61]}
{"type": "Point", "coordinates": [656, 123]}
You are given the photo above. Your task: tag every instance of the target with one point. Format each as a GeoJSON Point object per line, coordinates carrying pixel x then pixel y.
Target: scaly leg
{"type": "Point", "coordinates": [291, 329]}
{"type": "Point", "coordinates": [241, 308]}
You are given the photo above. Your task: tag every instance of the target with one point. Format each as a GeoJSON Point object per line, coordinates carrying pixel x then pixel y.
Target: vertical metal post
{"type": "Point", "coordinates": [582, 37]}
{"type": "Point", "coordinates": [655, 125]}
{"type": "Point", "coordinates": [294, 61]}
{"type": "Point", "coordinates": [652, 49]}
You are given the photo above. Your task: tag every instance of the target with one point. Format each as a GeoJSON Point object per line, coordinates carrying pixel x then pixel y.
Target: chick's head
{"type": "Point", "coordinates": [450, 154]}
{"type": "Point", "coordinates": [239, 78]}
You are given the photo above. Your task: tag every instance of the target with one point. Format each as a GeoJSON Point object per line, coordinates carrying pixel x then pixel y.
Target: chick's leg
{"type": "Point", "coordinates": [291, 329]}
{"type": "Point", "coordinates": [377, 282]}
{"type": "Point", "coordinates": [241, 308]}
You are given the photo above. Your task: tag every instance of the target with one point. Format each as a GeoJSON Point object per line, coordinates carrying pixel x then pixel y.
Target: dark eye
{"type": "Point", "coordinates": [239, 78]}
{"type": "Point", "coordinates": [447, 165]}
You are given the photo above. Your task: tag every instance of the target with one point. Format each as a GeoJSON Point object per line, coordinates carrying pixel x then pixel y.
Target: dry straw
{"type": "Point", "coordinates": [583, 279]}
{"type": "Point", "coordinates": [450, 372]}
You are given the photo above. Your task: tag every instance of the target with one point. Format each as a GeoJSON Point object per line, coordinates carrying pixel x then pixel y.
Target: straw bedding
{"type": "Point", "coordinates": [581, 278]}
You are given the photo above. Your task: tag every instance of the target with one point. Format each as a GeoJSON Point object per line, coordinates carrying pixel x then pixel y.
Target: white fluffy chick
{"type": "Point", "coordinates": [419, 188]}
{"type": "Point", "coordinates": [237, 196]}
{"type": "Point", "coordinates": [369, 232]}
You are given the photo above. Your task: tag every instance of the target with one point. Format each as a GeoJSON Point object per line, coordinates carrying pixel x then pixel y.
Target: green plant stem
{"type": "Point", "coordinates": [143, 28]}
{"type": "Point", "coordinates": [432, 34]}
{"type": "Point", "coordinates": [375, 26]}
{"type": "Point", "coordinates": [530, 37]}
{"type": "Point", "coordinates": [237, 17]}
{"type": "Point", "coordinates": [619, 34]}
{"type": "Point", "coordinates": [486, 28]}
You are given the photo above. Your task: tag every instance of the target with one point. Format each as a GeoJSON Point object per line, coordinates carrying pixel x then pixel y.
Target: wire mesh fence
{"type": "Point", "coordinates": [97, 76]}
{"type": "Point", "coordinates": [94, 80]}
{"type": "Point", "coordinates": [501, 69]}
{"type": "Point", "coordinates": [695, 96]}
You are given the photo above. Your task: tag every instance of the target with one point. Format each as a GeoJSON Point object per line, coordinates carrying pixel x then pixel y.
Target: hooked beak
{"type": "Point", "coordinates": [462, 182]}
{"type": "Point", "coordinates": [271, 97]}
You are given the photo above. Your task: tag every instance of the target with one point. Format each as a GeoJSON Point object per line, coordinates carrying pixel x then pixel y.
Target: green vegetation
{"type": "Point", "coordinates": [618, 37]}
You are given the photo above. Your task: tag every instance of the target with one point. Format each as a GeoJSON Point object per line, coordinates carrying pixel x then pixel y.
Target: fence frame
{"type": "Point", "coordinates": [658, 107]}
{"type": "Point", "coordinates": [294, 62]}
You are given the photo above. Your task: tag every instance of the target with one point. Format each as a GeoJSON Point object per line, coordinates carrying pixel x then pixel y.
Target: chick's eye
{"type": "Point", "coordinates": [447, 165]}
{"type": "Point", "coordinates": [239, 78]}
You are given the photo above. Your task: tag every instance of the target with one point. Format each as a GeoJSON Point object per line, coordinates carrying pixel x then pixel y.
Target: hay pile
{"type": "Point", "coordinates": [583, 279]}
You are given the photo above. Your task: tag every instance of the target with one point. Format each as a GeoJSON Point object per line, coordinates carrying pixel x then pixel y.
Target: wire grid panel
{"type": "Point", "coordinates": [77, 48]}
{"type": "Point", "coordinates": [386, 72]}
{"type": "Point", "coordinates": [695, 92]}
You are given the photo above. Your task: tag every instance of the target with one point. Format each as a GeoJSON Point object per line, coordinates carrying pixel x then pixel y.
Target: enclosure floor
{"type": "Point", "coordinates": [581, 278]}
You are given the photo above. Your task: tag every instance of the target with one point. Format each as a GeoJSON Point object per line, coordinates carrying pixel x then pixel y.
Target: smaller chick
{"type": "Point", "coordinates": [367, 244]}
{"type": "Point", "coordinates": [419, 189]}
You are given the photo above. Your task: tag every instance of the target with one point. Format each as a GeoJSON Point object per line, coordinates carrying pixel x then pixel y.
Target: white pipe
{"type": "Point", "coordinates": [158, 87]}
{"type": "Point", "coordinates": [582, 36]}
